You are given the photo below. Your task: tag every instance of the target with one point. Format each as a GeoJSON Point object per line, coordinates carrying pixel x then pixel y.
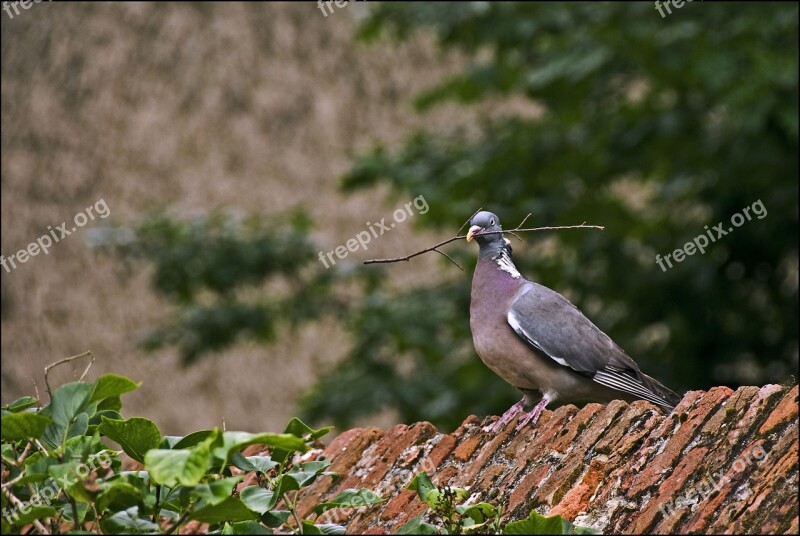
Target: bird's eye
{"type": "Point", "coordinates": [491, 222]}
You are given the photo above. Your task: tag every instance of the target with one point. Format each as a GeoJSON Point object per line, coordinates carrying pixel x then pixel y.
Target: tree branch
{"type": "Point", "coordinates": [87, 353]}
{"type": "Point", "coordinates": [517, 229]}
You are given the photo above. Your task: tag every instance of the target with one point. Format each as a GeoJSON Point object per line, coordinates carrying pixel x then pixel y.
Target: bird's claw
{"type": "Point", "coordinates": [533, 415]}
{"type": "Point", "coordinates": [506, 418]}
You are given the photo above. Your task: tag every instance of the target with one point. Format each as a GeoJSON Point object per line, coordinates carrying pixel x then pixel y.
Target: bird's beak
{"type": "Point", "coordinates": [473, 231]}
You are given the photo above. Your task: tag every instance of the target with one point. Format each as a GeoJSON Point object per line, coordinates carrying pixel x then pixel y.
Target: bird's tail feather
{"type": "Point", "coordinates": [671, 399]}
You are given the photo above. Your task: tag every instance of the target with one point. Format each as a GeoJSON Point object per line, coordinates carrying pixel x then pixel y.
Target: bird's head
{"type": "Point", "coordinates": [485, 222]}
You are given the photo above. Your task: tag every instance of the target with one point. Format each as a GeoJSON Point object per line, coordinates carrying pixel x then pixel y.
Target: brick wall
{"type": "Point", "coordinates": [722, 462]}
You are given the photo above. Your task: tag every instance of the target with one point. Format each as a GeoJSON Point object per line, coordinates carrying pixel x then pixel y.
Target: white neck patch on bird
{"type": "Point", "coordinates": [504, 261]}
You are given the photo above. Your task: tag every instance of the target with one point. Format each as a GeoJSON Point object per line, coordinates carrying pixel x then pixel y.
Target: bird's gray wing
{"type": "Point", "coordinates": [552, 325]}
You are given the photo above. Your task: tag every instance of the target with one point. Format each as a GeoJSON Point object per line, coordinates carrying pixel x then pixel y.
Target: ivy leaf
{"type": "Point", "coordinates": [19, 426]}
{"type": "Point", "coordinates": [136, 435]}
{"type": "Point", "coordinates": [118, 496]}
{"type": "Point", "coordinates": [31, 514]}
{"type": "Point", "coordinates": [230, 510]}
{"type": "Point", "coordinates": [310, 528]}
{"type": "Point", "coordinates": [424, 487]}
{"type": "Point", "coordinates": [479, 513]}
{"type": "Point", "coordinates": [245, 527]}
{"type": "Point", "coordinates": [236, 441]}
{"type": "Point", "coordinates": [416, 526]}
{"type": "Point", "coordinates": [298, 428]}
{"type": "Point", "coordinates": [539, 524]}
{"type": "Point", "coordinates": [301, 430]}
{"type": "Point", "coordinates": [261, 464]}
{"type": "Point", "coordinates": [112, 385]}
{"type": "Point", "coordinates": [193, 439]}
{"type": "Point", "coordinates": [306, 473]}
{"type": "Point", "coordinates": [181, 466]}
{"type": "Point", "coordinates": [68, 402]}
{"type": "Point", "coordinates": [349, 498]}
{"type": "Point", "coordinates": [21, 404]}
{"type": "Point", "coordinates": [258, 499]}
{"type": "Point", "coordinates": [128, 522]}
{"type": "Point", "coordinates": [275, 518]}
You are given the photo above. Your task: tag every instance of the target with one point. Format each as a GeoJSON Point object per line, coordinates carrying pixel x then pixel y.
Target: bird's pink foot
{"type": "Point", "coordinates": [507, 417]}
{"type": "Point", "coordinates": [533, 415]}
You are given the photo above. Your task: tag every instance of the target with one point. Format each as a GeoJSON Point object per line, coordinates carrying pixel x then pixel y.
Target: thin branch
{"type": "Point", "coordinates": [20, 506]}
{"type": "Point", "coordinates": [468, 220]}
{"type": "Point", "coordinates": [67, 360]}
{"type": "Point", "coordinates": [450, 258]}
{"type": "Point", "coordinates": [512, 233]}
{"type": "Point", "coordinates": [517, 229]}
{"type": "Point", "coordinates": [409, 257]}
{"type": "Point", "coordinates": [555, 228]}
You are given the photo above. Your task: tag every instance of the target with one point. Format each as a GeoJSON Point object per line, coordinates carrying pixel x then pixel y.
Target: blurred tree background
{"type": "Point", "coordinates": [652, 127]}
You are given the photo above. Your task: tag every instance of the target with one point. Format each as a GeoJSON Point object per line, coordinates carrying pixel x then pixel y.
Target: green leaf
{"type": "Point", "coordinates": [128, 522]}
{"type": "Point", "coordinates": [349, 498]}
{"type": "Point", "coordinates": [112, 385]}
{"type": "Point", "coordinates": [194, 438]}
{"type": "Point", "coordinates": [31, 514]}
{"type": "Point", "coordinates": [245, 527]}
{"type": "Point", "coordinates": [67, 477]}
{"type": "Point", "coordinates": [479, 513]}
{"type": "Point", "coordinates": [275, 518]}
{"type": "Point", "coordinates": [231, 509]}
{"type": "Point", "coordinates": [262, 464]}
{"type": "Point", "coordinates": [67, 404]}
{"type": "Point", "coordinates": [215, 491]}
{"type": "Point", "coordinates": [258, 499]}
{"type": "Point", "coordinates": [424, 487]}
{"type": "Point", "coordinates": [69, 401]}
{"type": "Point", "coordinates": [21, 404]}
{"type": "Point", "coordinates": [539, 524]}
{"type": "Point", "coordinates": [19, 426]}
{"type": "Point", "coordinates": [117, 496]}
{"type": "Point", "coordinates": [416, 526]}
{"type": "Point", "coordinates": [306, 473]}
{"type": "Point", "coordinates": [136, 435]}
{"type": "Point", "coordinates": [310, 528]}
{"type": "Point", "coordinates": [79, 426]}
{"type": "Point", "coordinates": [298, 428]}
{"type": "Point", "coordinates": [112, 403]}
{"type": "Point", "coordinates": [301, 430]}
{"type": "Point", "coordinates": [172, 467]}
{"type": "Point", "coordinates": [185, 466]}
{"type": "Point", "coordinates": [284, 484]}
{"type": "Point", "coordinates": [236, 441]}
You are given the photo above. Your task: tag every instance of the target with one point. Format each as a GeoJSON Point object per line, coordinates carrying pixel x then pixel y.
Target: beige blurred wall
{"type": "Point", "coordinates": [258, 107]}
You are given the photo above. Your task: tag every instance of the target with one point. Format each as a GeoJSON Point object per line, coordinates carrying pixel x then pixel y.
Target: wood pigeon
{"type": "Point", "coordinates": [539, 342]}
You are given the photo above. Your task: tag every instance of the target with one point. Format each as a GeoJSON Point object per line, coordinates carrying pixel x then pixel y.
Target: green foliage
{"type": "Point", "coordinates": [449, 517]}
{"type": "Point", "coordinates": [538, 524]}
{"type": "Point", "coordinates": [64, 478]}
{"type": "Point", "coordinates": [214, 268]}
{"type": "Point", "coordinates": [654, 128]}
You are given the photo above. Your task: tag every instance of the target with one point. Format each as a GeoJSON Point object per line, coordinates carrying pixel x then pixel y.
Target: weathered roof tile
{"type": "Point", "coordinates": [722, 462]}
